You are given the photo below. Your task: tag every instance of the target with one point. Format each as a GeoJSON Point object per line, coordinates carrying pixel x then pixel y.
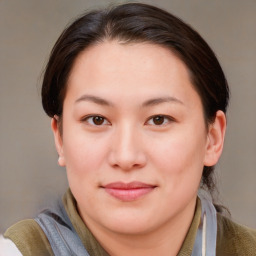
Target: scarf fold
{"type": "Point", "coordinates": [206, 236]}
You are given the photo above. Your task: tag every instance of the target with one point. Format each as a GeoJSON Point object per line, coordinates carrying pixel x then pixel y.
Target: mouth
{"type": "Point", "coordinates": [128, 192]}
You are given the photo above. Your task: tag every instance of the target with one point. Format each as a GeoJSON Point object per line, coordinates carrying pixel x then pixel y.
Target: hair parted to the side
{"type": "Point", "coordinates": [137, 23]}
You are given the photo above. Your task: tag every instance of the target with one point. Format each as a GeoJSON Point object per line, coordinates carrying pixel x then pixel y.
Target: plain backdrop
{"type": "Point", "coordinates": [30, 178]}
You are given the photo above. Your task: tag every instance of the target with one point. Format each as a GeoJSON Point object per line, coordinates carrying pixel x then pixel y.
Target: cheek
{"type": "Point", "coordinates": [180, 158]}
{"type": "Point", "coordinates": [83, 166]}
{"type": "Point", "coordinates": [180, 151]}
{"type": "Point", "coordinates": [84, 155]}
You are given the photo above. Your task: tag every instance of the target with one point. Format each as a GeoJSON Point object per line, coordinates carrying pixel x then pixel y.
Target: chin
{"type": "Point", "coordinates": [128, 228]}
{"type": "Point", "coordinates": [129, 223]}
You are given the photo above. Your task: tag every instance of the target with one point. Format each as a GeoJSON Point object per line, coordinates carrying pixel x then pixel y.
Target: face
{"type": "Point", "coordinates": [134, 139]}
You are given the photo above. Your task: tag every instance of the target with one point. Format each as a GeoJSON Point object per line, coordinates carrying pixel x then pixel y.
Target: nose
{"type": "Point", "coordinates": [127, 152]}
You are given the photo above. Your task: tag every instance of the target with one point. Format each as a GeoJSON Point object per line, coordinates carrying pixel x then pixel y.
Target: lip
{"type": "Point", "coordinates": [128, 192]}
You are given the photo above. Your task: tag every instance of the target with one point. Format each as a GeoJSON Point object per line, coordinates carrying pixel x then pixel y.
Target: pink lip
{"type": "Point", "coordinates": [128, 191]}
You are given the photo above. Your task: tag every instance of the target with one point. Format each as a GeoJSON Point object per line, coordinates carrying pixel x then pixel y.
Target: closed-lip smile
{"type": "Point", "coordinates": [128, 192]}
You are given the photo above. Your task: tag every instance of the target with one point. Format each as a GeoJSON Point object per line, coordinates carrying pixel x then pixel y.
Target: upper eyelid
{"type": "Point", "coordinates": [165, 116]}
{"type": "Point", "coordinates": [92, 115]}
{"type": "Point", "coordinates": [84, 118]}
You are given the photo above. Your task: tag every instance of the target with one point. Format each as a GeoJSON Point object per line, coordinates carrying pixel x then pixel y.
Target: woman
{"type": "Point", "coordinates": [138, 101]}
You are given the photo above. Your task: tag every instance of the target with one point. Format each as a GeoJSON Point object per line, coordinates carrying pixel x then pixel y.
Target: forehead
{"type": "Point", "coordinates": [129, 68]}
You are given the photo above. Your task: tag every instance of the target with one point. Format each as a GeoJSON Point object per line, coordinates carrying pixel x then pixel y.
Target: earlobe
{"type": "Point", "coordinates": [61, 161]}
{"type": "Point", "coordinates": [215, 139]}
{"type": "Point", "coordinates": [58, 140]}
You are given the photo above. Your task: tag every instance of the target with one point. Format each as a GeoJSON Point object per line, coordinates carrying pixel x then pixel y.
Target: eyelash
{"type": "Point", "coordinates": [166, 120]}
{"type": "Point", "coordinates": [90, 119]}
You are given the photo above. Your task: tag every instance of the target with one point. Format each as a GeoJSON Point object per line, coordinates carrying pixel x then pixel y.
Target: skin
{"type": "Point", "coordinates": [129, 85]}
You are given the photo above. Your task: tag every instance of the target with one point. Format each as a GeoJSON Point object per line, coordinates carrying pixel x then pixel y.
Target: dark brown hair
{"type": "Point", "coordinates": [131, 23]}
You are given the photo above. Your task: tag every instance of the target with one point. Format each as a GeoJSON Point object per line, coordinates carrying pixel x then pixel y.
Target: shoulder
{"type": "Point", "coordinates": [29, 238]}
{"type": "Point", "coordinates": [235, 239]}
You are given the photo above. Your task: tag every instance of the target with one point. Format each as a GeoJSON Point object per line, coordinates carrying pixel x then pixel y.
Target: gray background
{"type": "Point", "coordinates": [29, 176]}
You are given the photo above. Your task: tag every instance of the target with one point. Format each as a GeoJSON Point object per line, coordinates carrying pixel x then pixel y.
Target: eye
{"type": "Point", "coordinates": [159, 120]}
{"type": "Point", "coordinates": [96, 120]}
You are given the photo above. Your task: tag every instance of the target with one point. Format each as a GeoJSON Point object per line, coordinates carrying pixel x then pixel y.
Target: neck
{"type": "Point", "coordinates": [165, 240]}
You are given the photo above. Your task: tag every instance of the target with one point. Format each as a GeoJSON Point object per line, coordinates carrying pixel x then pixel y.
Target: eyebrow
{"type": "Point", "coordinates": [150, 102]}
{"type": "Point", "coordinates": [156, 101]}
{"type": "Point", "coordinates": [94, 99]}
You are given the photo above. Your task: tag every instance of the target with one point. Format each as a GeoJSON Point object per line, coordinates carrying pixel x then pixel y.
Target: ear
{"type": "Point", "coordinates": [58, 140]}
{"type": "Point", "coordinates": [215, 139]}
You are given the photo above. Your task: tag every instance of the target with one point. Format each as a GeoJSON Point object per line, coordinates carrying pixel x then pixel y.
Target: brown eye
{"type": "Point", "coordinates": [95, 120]}
{"type": "Point", "coordinates": [98, 120]}
{"type": "Point", "coordinates": [158, 120]}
